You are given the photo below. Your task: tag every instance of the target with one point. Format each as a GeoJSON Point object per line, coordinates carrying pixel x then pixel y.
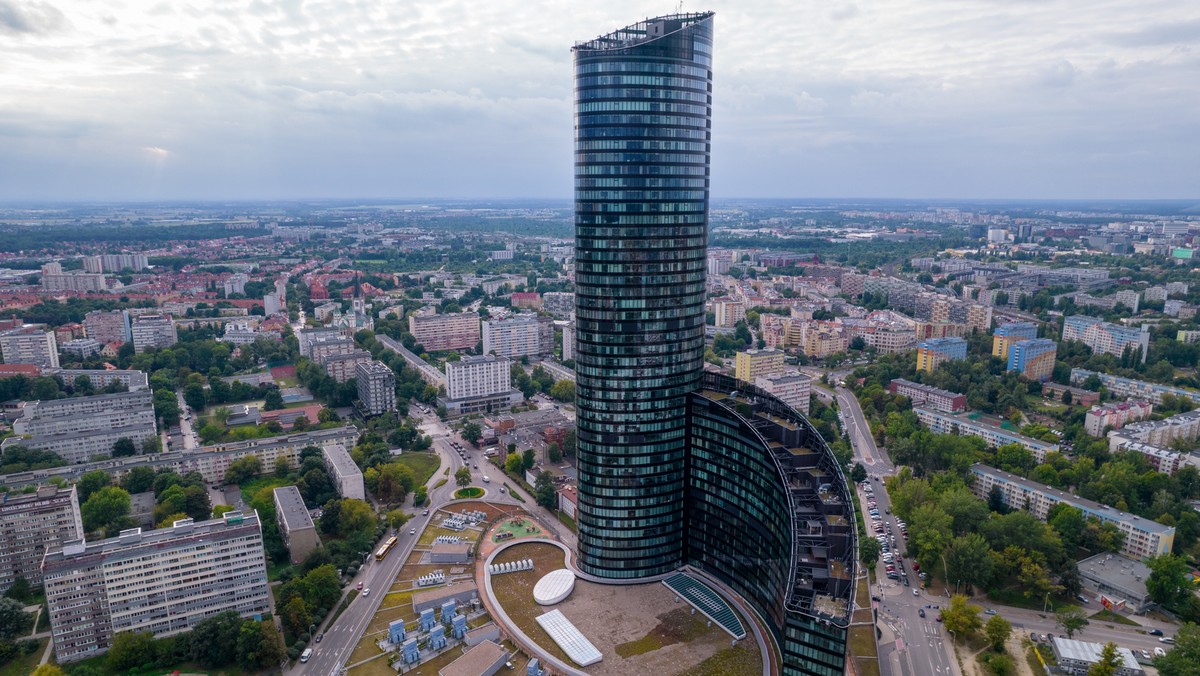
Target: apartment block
{"type": "Point", "coordinates": [752, 364]}
{"type": "Point", "coordinates": [791, 387]}
{"type": "Point", "coordinates": [568, 342]}
{"type": "Point", "coordinates": [81, 428]}
{"type": "Point", "coordinates": [970, 425]}
{"type": "Point", "coordinates": [1034, 358]}
{"type": "Point", "coordinates": [111, 326]}
{"type": "Point", "coordinates": [521, 335]}
{"type": "Point", "coordinates": [1115, 416]}
{"type": "Point", "coordinates": [123, 261]}
{"type": "Point", "coordinates": [727, 312]}
{"type": "Point", "coordinates": [457, 331]}
{"type": "Point", "coordinates": [376, 387]}
{"type": "Point", "coordinates": [1106, 338]}
{"type": "Point", "coordinates": [308, 338]}
{"type": "Point", "coordinates": [1183, 427]}
{"type": "Point", "coordinates": [822, 339]}
{"type": "Point", "coordinates": [75, 281]}
{"type": "Point", "coordinates": [344, 471]}
{"type": "Point", "coordinates": [344, 366]}
{"type": "Point", "coordinates": [479, 383]}
{"type": "Point", "coordinates": [1006, 334]}
{"type": "Point", "coordinates": [29, 345]}
{"type": "Point", "coordinates": [929, 397]}
{"type": "Point", "coordinates": [157, 331]}
{"type": "Point", "coordinates": [925, 330]}
{"type": "Point", "coordinates": [559, 303]}
{"type": "Point", "coordinates": [1136, 389]}
{"type": "Point", "coordinates": [100, 378]}
{"type": "Point", "coordinates": [164, 581]}
{"type": "Point", "coordinates": [32, 523]}
{"type": "Point", "coordinates": [934, 352]}
{"type": "Point", "coordinates": [295, 523]}
{"type": "Point", "coordinates": [1143, 538]}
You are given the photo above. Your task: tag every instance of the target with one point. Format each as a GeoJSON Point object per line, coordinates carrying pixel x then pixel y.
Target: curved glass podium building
{"type": "Point", "coordinates": [677, 467]}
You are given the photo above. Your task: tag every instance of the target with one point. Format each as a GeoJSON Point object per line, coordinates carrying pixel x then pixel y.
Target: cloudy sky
{"type": "Point", "coordinates": [266, 99]}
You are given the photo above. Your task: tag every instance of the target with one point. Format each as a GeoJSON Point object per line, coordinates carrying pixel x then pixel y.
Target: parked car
{"type": "Point", "coordinates": [989, 611]}
{"type": "Point", "coordinates": [1159, 652]}
{"type": "Point", "coordinates": [1155, 632]}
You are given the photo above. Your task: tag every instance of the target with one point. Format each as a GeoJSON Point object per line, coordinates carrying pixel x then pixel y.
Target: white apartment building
{"type": "Point", "coordinates": [791, 387]}
{"type": "Point", "coordinates": [30, 524]}
{"type": "Point", "coordinates": [520, 335]}
{"type": "Point", "coordinates": [376, 387]}
{"type": "Point", "coordinates": [81, 428]}
{"type": "Point", "coordinates": [344, 471]}
{"type": "Point", "coordinates": [82, 347]}
{"type": "Point", "coordinates": [458, 331]}
{"type": "Point", "coordinates": [132, 380]}
{"type": "Point", "coordinates": [29, 345]}
{"type": "Point", "coordinates": [295, 523]}
{"type": "Point", "coordinates": [478, 384]}
{"type": "Point", "coordinates": [994, 435]}
{"type": "Point", "coordinates": [272, 304]}
{"type": "Point", "coordinates": [77, 281]}
{"type": "Point", "coordinates": [153, 331]}
{"type": "Point", "coordinates": [308, 338]}
{"type": "Point", "coordinates": [164, 581]}
{"type": "Point", "coordinates": [236, 283]}
{"type": "Point", "coordinates": [1143, 538]}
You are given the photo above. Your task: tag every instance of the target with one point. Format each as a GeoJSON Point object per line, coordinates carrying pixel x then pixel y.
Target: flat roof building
{"type": "Point", "coordinates": [1144, 538]}
{"type": "Point", "coordinates": [1033, 358]}
{"type": "Point", "coordinates": [972, 424]}
{"type": "Point", "coordinates": [29, 345]}
{"type": "Point", "coordinates": [153, 331]}
{"type": "Point", "coordinates": [1077, 657]}
{"type": "Point", "coordinates": [81, 428]}
{"type": "Point", "coordinates": [376, 387]}
{"type": "Point", "coordinates": [520, 335]}
{"type": "Point", "coordinates": [164, 581]}
{"type": "Point", "coordinates": [295, 523]}
{"type": "Point", "coordinates": [791, 387]}
{"type": "Point", "coordinates": [485, 659]}
{"type": "Point", "coordinates": [1120, 578]}
{"type": "Point", "coordinates": [32, 523]}
{"type": "Point", "coordinates": [933, 352]}
{"type": "Point", "coordinates": [344, 471]}
{"type": "Point", "coordinates": [751, 364]}
{"type": "Point", "coordinates": [1007, 334]}
{"type": "Point", "coordinates": [928, 396]}
{"type": "Point", "coordinates": [1128, 387]}
{"type": "Point", "coordinates": [434, 332]}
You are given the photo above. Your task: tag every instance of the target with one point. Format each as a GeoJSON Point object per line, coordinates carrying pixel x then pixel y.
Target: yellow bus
{"type": "Point", "coordinates": [387, 547]}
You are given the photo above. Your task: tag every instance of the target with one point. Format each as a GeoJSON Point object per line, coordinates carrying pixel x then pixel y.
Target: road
{"type": "Point", "coordinates": [186, 430]}
{"type": "Point", "coordinates": [340, 638]}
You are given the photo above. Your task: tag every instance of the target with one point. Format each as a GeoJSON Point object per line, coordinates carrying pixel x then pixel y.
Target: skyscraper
{"type": "Point", "coordinates": [642, 119]}
{"type": "Point", "coordinates": [678, 467]}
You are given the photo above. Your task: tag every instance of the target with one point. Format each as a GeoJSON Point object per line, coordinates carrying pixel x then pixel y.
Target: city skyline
{"type": "Point", "coordinates": [903, 100]}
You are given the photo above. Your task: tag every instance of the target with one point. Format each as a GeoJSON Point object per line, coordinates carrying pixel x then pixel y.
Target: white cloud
{"type": "Point", "coordinates": [459, 98]}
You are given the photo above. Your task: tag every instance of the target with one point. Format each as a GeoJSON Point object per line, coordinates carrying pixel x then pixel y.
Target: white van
{"type": "Point", "coordinates": [486, 479]}
{"type": "Point", "coordinates": [305, 655]}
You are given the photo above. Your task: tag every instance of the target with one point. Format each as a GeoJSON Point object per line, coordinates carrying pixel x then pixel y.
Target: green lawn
{"type": "Point", "coordinates": [422, 465]}
{"type": "Point", "coordinates": [1104, 616]}
{"type": "Point", "coordinates": [468, 492]}
{"type": "Point", "coordinates": [23, 665]}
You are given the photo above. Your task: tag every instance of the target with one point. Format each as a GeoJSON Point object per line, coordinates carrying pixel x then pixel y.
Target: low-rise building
{"type": "Point", "coordinates": [485, 659]}
{"type": "Point", "coordinates": [295, 523]}
{"type": "Point", "coordinates": [344, 472]}
{"type": "Point", "coordinates": [1144, 538]}
{"type": "Point", "coordinates": [1078, 396]}
{"type": "Point", "coordinates": [164, 581]}
{"type": "Point", "coordinates": [1120, 578]}
{"type": "Point", "coordinates": [1077, 657]}
{"type": "Point", "coordinates": [82, 348]}
{"type": "Point", "coordinates": [1130, 388]}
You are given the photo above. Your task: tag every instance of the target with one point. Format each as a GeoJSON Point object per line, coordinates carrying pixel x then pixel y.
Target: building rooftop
{"type": "Point", "coordinates": [136, 538]}
{"type": "Point", "coordinates": [475, 661]}
{"type": "Point", "coordinates": [638, 33]}
{"type": "Point", "coordinates": [290, 507]}
{"type": "Point", "coordinates": [343, 464]}
{"type": "Point", "coordinates": [929, 389]}
{"type": "Point", "coordinates": [1116, 571]}
{"type": "Point", "coordinates": [1086, 651]}
{"type": "Point", "coordinates": [1083, 503]}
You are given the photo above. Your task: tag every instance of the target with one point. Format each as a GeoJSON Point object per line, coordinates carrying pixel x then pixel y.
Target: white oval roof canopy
{"type": "Point", "coordinates": [554, 587]}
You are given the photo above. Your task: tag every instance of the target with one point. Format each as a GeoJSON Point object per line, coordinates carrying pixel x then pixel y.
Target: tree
{"type": "Point", "coordinates": [194, 397]}
{"type": "Point", "coordinates": [48, 669]}
{"type": "Point", "coordinates": [19, 590]}
{"type": "Point", "coordinates": [528, 459]}
{"type": "Point", "coordinates": [1110, 661]}
{"type": "Point", "coordinates": [563, 390]}
{"type": "Point", "coordinates": [243, 469]}
{"type": "Point", "coordinates": [282, 467]}
{"type": "Point", "coordinates": [1183, 659]}
{"type": "Point", "coordinates": [394, 482]}
{"type": "Point", "coordinates": [463, 476]}
{"type": "Point", "coordinates": [543, 491]}
{"type": "Point", "coordinates": [219, 511]}
{"type": "Point", "coordinates": [513, 464]}
{"type": "Point", "coordinates": [90, 482]}
{"type": "Point", "coordinates": [1167, 583]}
{"type": "Point", "coordinates": [296, 616]}
{"type": "Point", "coordinates": [961, 616]}
{"type": "Point", "coordinates": [554, 452]}
{"type": "Point", "coordinates": [214, 640]}
{"type": "Point", "coordinates": [130, 650]}
{"type": "Point", "coordinates": [858, 473]}
{"type": "Point", "coordinates": [997, 629]}
{"type": "Point", "coordinates": [868, 551]}
{"type": "Point", "coordinates": [138, 480]}
{"type": "Point", "coordinates": [396, 518]}
{"type": "Point", "coordinates": [14, 621]}
{"type": "Point", "coordinates": [569, 441]}
{"type": "Point", "coordinates": [124, 447]}
{"type": "Point", "coordinates": [471, 432]}
{"type": "Point", "coordinates": [273, 400]}
{"type": "Point", "coordinates": [300, 424]}
{"type": "Point", "coordinates": [969, 561]}
{"type": "Point", "coordinates": [356, 516]}
{"type": "Point", "coordinates": [1071, 619]}
{"type": "Point", "coordinates": [108, 509]}
{"type": "Point", "coordinates": [420, 496]}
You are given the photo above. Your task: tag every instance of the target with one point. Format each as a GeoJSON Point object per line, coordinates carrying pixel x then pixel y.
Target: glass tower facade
{"type": "Point", "coordinates": [643, 105]}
